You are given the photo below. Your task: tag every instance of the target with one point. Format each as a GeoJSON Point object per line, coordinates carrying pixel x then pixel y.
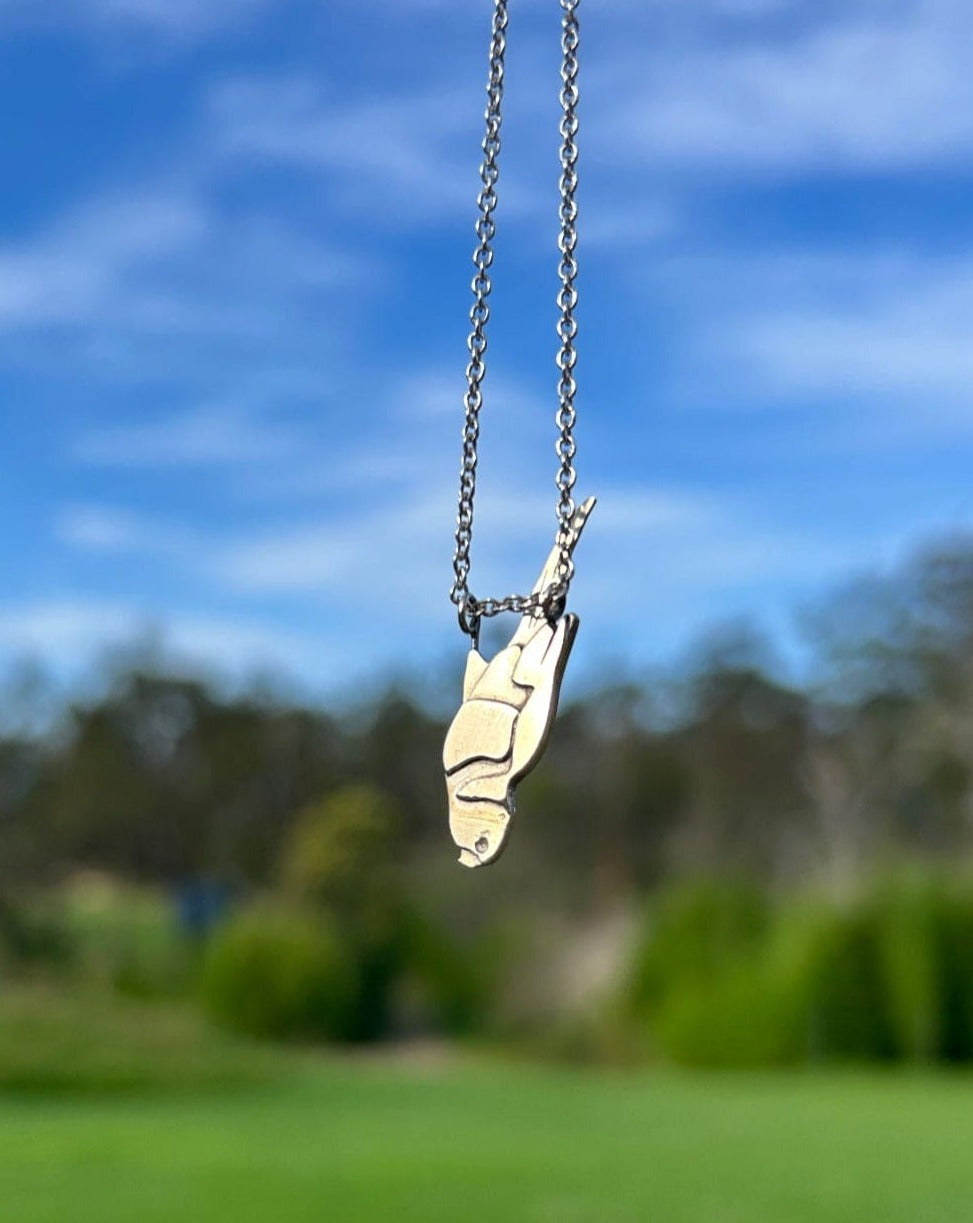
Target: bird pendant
{"type": "Point", "coordinates": [501, 729]}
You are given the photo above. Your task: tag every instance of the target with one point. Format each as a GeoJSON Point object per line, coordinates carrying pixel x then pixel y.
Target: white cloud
{"type": "Point", "coordinates": [84, 263]}
{"type": "Point", "coordinates": [386, 534]}
{"type": "Point", "coordinates": [917, 349]}
{"type": "Point", "coordinates": [390, 154]}
{"type": "Point", "coordinates": [178, 20]}
{"type": "Point", "coordinates": [885, 331]}
{"type": "Point", "coordinates": [642, 221]}
{"type": "Point", "coordinates": [449, 8]}
{"type": "Point", "coordinates": [240, 645]}
{"type": "Point", "coordinates": [362, 520]}
{"type": "Point", "coordinates": [675, 96]}
{"type": "Point", "coordinates": [382, 548]}
{"type": "Point", "coordinates": [349, 559]}
{"type": "Point", "coordinates": [360, 557]}
{"type": "Point", "coordinates": [109, 531]}
{"type": "Point", "coordinates": [872, 87]}
{"type": "Point", "coordinates": [162, 286]}
{"type": "Point", "coordinates": [92, 528]}
{"type": "Point", "coordinates": [210, 435]}
{"type": "Point", "coordinates": [62, 628]}
{"type": "Point", "coordinates": [654, 563]}
{"type": "Point", "coordinates": [763, 87]}
{"type": "Point", "coordinates": [75, 634]}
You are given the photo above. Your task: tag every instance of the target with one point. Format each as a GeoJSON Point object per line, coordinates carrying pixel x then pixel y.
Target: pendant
{"type": "Point", "coordinates": [501, 729]}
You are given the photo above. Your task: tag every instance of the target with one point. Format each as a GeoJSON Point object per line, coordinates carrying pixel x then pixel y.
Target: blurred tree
{"type": "Point", "coordinates": [341, 852]}
{"type": "Point", "coordinates": [744, 748]}
{"type": "Point", "coordinates": [160, 780]}
{"type": "Point", "coordinates": [163, 779]}
{"type": "Point", "coordinates": [399, 749]}
{"type": "Point", "coordinates": [907, 633]}
{"type": "Point", "coordinates": [342, 858]}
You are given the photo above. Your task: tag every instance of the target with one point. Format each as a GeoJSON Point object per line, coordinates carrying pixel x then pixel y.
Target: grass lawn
{"type": "Point", "coordinates": [88, 1042]}
{"type": "Point", "coordinates": [355, 1142]}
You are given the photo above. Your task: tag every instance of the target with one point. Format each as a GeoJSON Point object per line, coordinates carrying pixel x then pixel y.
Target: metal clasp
{"type": "Point", "coordinates": [469, 621]}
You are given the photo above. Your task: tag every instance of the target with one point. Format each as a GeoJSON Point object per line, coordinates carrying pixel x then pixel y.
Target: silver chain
{"type": "Point", "coordinates": [550, 602]}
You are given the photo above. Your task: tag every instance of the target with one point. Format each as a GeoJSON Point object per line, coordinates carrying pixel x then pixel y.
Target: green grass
{"type": "Point", "coordinates": [356, 1142]}
{"type": "Point", "coordinates": [55, 1039]}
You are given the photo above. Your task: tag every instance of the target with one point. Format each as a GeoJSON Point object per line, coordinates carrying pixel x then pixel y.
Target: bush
{"type": "Point", "coordinates": [340, 860]}
{"type": "Point", "coordinates": [31, 939]}
{"type": "Point", "coordinates": [415, 977]}
{"type": "Point", "coordinates": [850, 1005]}
{"type": "Point", "coordinates": [725, 979]}
{"type": "Point", "coordinates": [278, 975]}
{"type": "Point", "coordinates": [746, 1016]}
{"type": "Point", "coordinates": [117, 935]}
{"type": "Point", "coordinates": [451, 984]}
{"type": "Point", "coordinates": [753, 1010]}
{"type": "Point", "coordinates": [910, 950]}
{"type": "Point", "coordinates": [377, 954]}
{"type": "Point", "coordinates": [954, 977]}
{"type": "Point", "coordinates": [916, 973]}
{"type": "Point", "coordinates": [693, 933]}
{"type": "Point", "coordinates": [340, 852]}
{"type": "Point", "coordinates": [931, 966]}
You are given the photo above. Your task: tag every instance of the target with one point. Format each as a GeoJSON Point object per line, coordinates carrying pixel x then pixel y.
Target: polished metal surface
{"type": "Point", "coordinates": [502, 727]}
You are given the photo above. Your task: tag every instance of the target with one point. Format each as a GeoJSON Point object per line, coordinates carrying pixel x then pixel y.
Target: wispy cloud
{"type": "Point", "coordinates": [911, 344]}
{"type": "Point", "coordinates": [762, 87]}
{"type": "Point", "coordinates": [864, 87]}
{"type": "Point", "coordinates": [882, 330]}
{"type": "Point", "coordinates": [162, 284]}
{"type": "Point", "coordinates": [179, 20]}
{"type": "Point", "coordinates": [211, 435]}
{"type": "Point", "coordinates": [107, 530]}
{"type": "Point", "coordinates": [395, 154]}
{"type": "Point", "coordinates": [62, 628]}
{"type": "Point", "coordinates": [677, 99]}
{"type": "Point", "coordinates": [257, 406]}
{"type": "Point", "coordinates": [73, 635]}
{"type": "Point", "coordinates": [93, 528]}
{"type": "Point", "coordinates": [118, 253]}
{"type": "Point", "coordinates": [401, 551]}
{"type": "Point", "coordinates": [85, 263]}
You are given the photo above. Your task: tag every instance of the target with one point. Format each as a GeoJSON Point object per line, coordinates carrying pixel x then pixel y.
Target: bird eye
{"type": "Point", "coordinates": [482, 845]}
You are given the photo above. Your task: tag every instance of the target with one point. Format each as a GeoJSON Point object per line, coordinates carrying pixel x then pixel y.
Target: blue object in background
{"type": "Point", "coordinates": [201, 906]}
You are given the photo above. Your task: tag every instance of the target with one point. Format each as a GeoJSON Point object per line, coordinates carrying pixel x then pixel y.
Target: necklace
{"type": "Point", "coordinates": [510, 701]}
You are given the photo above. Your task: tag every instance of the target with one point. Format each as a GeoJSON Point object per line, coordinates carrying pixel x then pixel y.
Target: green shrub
{"type": "Point", "coordinates": [450, 983]}
{"type": "Point", "coordinates": [954, 975]}
{"type": "Point", "coordinates": [340, 852]}
{"type": "Point", "coordinates": [377, 956]}
{"type": "Point", "coordinates": [694, 932]}
{"type": "Point", "coordinates": [278, 975]}
{"type": "Point", "coordinates": [118, 935]}
{"type": "Point", "coordinates": [743, 1017]}
{"type": "Point", "coordinates": [724, 978]}
{"type": "Point", "coordinates": [413, 976]}
{"type": "Point", "coordinates": [850, 1004]}
{"type": "Point", "coordinates": [907, 909]}
{"type": "Point", "coordinates": [750, 1011]}
{"type": "Point", "coordinates": [922, 982]}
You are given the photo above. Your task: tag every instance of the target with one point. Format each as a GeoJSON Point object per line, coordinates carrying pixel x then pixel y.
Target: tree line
{"type": "Point", "coordinates": [723, 765]}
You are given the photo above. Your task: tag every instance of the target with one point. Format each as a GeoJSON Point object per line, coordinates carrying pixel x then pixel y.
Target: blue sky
{"type": "Point", "coordinates": [234, 265]}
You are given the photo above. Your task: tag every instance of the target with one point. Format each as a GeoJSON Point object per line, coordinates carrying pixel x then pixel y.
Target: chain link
{"type": "Point", "coordinates": [550, 602]}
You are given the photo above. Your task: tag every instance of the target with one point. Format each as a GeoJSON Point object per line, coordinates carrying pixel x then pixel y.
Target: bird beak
{"type": "Point", "coordinates": [550, 568]}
